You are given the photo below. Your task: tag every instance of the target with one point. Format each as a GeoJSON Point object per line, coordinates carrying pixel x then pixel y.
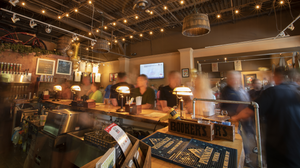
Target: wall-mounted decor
{"type": "Point", "coordinates": [214, 67]}
{"type": "Point", "coordinates": [113, 77]}
{"type": "Point", "coordinates": [248, 79]}
{"type": "Point", "coordinates": [185, 72]}
{"type": "Point", "coordinates": [64, 67]}
{"type": "Point", "coordinates": [45, 67]}
{"type": "Point", "coordinates": [238, 65]}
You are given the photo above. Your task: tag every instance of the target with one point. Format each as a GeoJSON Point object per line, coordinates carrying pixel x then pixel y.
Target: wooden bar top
{"type": "Point", "coordinates": [237, 144]}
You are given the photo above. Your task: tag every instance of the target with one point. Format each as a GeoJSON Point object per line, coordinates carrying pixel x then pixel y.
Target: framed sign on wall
{"type": "Point", "coordinates": [185, 73]}
{"type": "Point", "coordinates": [64, 67]}
{"type": "Point", "coordinates": [45, 67]}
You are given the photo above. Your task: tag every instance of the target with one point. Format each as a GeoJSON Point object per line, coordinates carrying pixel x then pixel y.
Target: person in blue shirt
{"type": "Point", "coordinates": [107, 91]}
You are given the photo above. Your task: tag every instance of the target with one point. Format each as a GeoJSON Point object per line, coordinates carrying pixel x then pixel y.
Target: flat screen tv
{"type": "Point", "coordinates": [153, 71]}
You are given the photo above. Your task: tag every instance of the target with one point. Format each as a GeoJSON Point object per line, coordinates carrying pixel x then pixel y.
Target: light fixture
{"type": "Point", "coordinates": [77, 39]}
{"type": "Point", "coordinates": [162, 30]}
{"type": "Point", "coordinates": [131, 36]}
{"type": "Point", "coordinates": [59, 17]}
{"type": "Point", "coordinates": [237, 11]}
{"type": "Point", "coordinates": [182, 2]}
{"type": "Point", "coordinates": [90, 2]}
{"type": "Point", "coordinates": [56, 88]}
{"type": "Point", "coordinates": [97, 31]}
{"type": "Point", "coordinates": [76, 10]}
{"type": "Point", "coordinates": [151, 12]}
{"type": "Point", "coordinates": [87, 48]}
{"type": "Point", "coordinates": [105, 27]}
{"type": "Point", "coordinates": [14, 18]}
{"type": "Point", "coordinates": [67, 15]}
{"type": "Point", "coordinates": [123, 39]}
{"type": "Point", "coordinates": [257, 6]}
{"type": "Point", "coordinates": [116, 41]}
{"type": "Point", "coordinates": [93, 43]}
{"type": "Point", "coordinates": [141, 35]}
{"type": "Point", "coordinates": [218, 16]}
{"type": "Point", "coordinates": [92, 47]}
{"type": "Point", "coordinates": [23, 3]}
{"type": "Point", "coordinates": [282, 34]}
{"type": "Point", "coordinates": [43, 11]}
{"type": "Point", "coordinates": [74, 37]}
{"type": "Point", "coordinates": [74, 89]}
{"type": "Point", "coordinates": [180, 92]}
{"type": "Point", "coordinates": [13, 2]}
{"type": "Point", "coordinates": [281, 2]}
{"type": "Point", "coordinates": [147, 10]}
{"type": "Point", "coordinates": [108, 43]}
{"type": "Point", "coordinates": [165, 7]}
{"type": "Point", "coordinates": [122, 90]}
{"type": "Point", "coordinates": [32, 23]}
{"type": "Point", "coordinates": [196, 25]}
{"type": "Point", "coordinates": [125, 21]}
{"type": "Point", "coordinates": [150, 32]}
{"type": "Point", "coordinates": [136, 17]}
{"type": "Point", "coordinates": [48, 29]}
{"type": "Point", "coordinates": [225, 59]}
{"type": "Point", "coordinates": [72, 41]}
{"type": "Point", "coordinates": [90, 33]}
{"type": "Point", "coordinates": [291, 27]}
{"type": "Point", "coordinates": [114, 23]}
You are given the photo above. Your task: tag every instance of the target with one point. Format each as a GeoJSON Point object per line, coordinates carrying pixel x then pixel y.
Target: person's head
{"type": "Point", "coordinates": [86, 80]}
{"type": "Point", "coordinates": [122, 77]}
{"type": "Point", "coordinates": [95, 87]}
{"type": "Point", "coordinates": [294, 76]}
{"type": "Point", "coordinates": [280, 75]}
{"type": "Point", "coordinates": [142, 81]}
{"type": "Point", "coordinates": [174, 79]}
{"type": "Point", "coordinates": [256, 84]}
{"type": "Point", "coordinates": [233, 79]}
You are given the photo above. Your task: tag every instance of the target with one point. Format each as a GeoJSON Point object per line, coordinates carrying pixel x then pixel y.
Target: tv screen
{"type": "Point", "coordinates": [153, 71]}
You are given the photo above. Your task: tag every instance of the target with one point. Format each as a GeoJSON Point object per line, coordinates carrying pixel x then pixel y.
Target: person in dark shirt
{"type": "Point", "coordinates": [147, 93]}
{"type": "Point", "coordinates": [281, 107]}
{"type": "Point", "coordinates": [114, 95]}
{"type": "Point", "coordinates": [167, 98]}
{"type": "Point", "coordinates": [257, 89]}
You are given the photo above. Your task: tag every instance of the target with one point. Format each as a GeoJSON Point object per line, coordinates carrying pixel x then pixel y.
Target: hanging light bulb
{"type": "Point", "coordinates": [141, 35]}
{"type": "Point", "coordinates": [116, 41]}
{"type": "Point", "coordinates": [32, 24]}
{"type": "Point", "coordinates": [108, 43]}
{"type": "Point", "coordinates": [105, 27]}
{"type": "Point", "coordinates": [136, 17]}
{"type": "Point", "coordinates": [76, 10]}
{"type": "Point", "coordinates": [291, 27]}
{"type": "Point", "coordinates": [218, 16]}
{"type": "Point", "coordinates": [165, 7]}
{"type": "Point", "coordinates": [150, 32]}
{"type": "Point", "coordinates": [114, 23]}
{"type": "Point", "coordinates": [131, 36]}
{"type": "Point", "coordinates": [93, 43]}
{"type": "Point", "coordinates": [43, 11]}
{"type": "Point", "coordinates": [151, 12]}
{"type": "Point", "coordinates": [123, 39]}
{"type": "Point", "coordinates": [13, 2]}
{"type": "Point", "coordinates": [90, 2]}
{"type": "Point", "coordinates": [14, 18]}
{"type": "Point", "coordinates": [48, 29]}
{"type": "Point", "coordinates": [90, 33]}
{"type": "Point", "coordinates": [182, 2]}
{"type": "Point", "coordinates": [125, 21]}
{"type": "Point", "coordinates": [237, 11]}
{"type": "Point", "coordinates": [59, 17]}
{"type": "Point", "coordinates": [162, 30]}
{"type": "Point", "coordinates": [97, 31]}
{"type": "Point", "coordinates": [87, 48]}
{"type": "Point", "coordinates": [23, 3]}
{"type": "Point", "coordinates": [281, 2]}
{"type": "Point", "coordinates": [67, 15]}
{"type": "Point", "coordinates": [257, 6]}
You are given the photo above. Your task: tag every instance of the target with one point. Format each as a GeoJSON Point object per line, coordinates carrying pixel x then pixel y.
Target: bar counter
{"type": "Point", "coordinates": [237, 144]}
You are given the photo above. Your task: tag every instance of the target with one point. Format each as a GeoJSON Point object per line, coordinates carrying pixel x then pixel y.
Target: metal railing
{"type": "Point", "coordinates": [257, 124]}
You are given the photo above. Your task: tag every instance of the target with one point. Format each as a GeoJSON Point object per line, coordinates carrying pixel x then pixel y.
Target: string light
{"type": "Point", "coordinates": [131, 36]}
{"type": "Point", "coordinates": [90, 2]}
{"type": "Point", "coordinates": [90, 33]}
{"type": "Point", "coordinates": [257, 6]}
{"type": "Point", "coordinates": [116, 41]}
{"type": "Point", "coordinates": [136, 17]}
{"type": "Point", "coordinates": [125, 21]}
{"type": "Point", "coordinates": [97, 31]}
{"type": "Point", "coordinates": [141, 35]}
{"type": "Point", "coordinates": [108, 43]}
{"type": "Point", "coordinates": [76, 10]}
{"type": "Point", "coordinates": [59, 17]}
{"type": "Point", "coordinates": [23, 3]}
{"type": "Point", "coordinates": [281, 2]}
{"type": "Point", "coordinates": [67, 15]}
{"type": "Point", "coordinates": [165, 7]}
{"type": "Point", "coordinates": [72, 41]}
{"type": "Point", "coordinates": [43, 11]}
{"type": "Point", "coordinates": [92, 47]}
{"type": "Point", "coordinates": [123, 39]}
{"type": "Point", "coordinates": [218, 16]}
{"type": "Point", "coordinates": [87, 48]}
{"type": "Point", "coordinates": [114, 23]}
{"type": "Point", "coordinates": [237, 11]}
{"type": "Point", "coordinates": [151, 12]}
{"type": "Point", "coordinates": [150, 32]}
{"type": "Point", "coordinates": [77, 38]}
{"type": "Point", "coordinates": [162, 30]}
{"type": "Point", "coordinates": [182, 2]}
{"type": "Point", "coordinates": [105, 27]}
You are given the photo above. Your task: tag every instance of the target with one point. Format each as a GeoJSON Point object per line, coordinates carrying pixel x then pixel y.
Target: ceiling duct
{"type": "Point", "coordinates": [196, 25]}
{"type": "Point", "coordinates": [102, 46]}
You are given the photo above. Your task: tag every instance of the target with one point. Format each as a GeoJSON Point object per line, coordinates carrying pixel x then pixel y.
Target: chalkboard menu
{"type": "Point", "coordinates": [64, 67]}
{"type": "Point", "coordinates": [45, 67]}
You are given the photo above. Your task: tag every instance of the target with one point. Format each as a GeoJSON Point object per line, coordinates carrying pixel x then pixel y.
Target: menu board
{"type": "Point", "coordinates": [64, 67]}
{"type": "Point", "coordinates": [45, 67]}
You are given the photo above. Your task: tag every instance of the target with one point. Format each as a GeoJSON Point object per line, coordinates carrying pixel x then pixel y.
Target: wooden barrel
{"type": "Point", "coordinates": [196, 25]}
{"type": "Point", "coordinates": [102, 46]}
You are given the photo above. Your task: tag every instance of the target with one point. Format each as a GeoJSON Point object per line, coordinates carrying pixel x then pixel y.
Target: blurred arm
{"type": "Point", "coordinates": [246, 113]}
{"type": "Point", "coordinates": [114, 102]}
{"type": "Point", "coordinates": [164, 105]}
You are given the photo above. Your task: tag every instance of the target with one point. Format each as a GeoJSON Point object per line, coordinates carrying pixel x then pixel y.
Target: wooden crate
{"type": "Point", "coordinates": [192, 129]}
{"type": "Point", "coordinates": [224, 132]}
{"type": "Point", "coordinates": [146, 150]}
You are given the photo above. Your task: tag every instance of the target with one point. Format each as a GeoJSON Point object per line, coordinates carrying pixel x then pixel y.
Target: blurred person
{"type": "Point", "coordinates": [107, 92]}
{"type": "Point", "coordinates": [167, 98]}
{"type": "Point", "coordinates": [96, 95]}
{"type": "Point", "coordinates": [114, 95]}
{"type": "Point", "coordinates": [158, 106]}
{"type": "Point", "coordinates": [66, 92]}
{"type": "Point", "coordinates": [256, 89]}
{"type": "Point", "coordinates": [85, 87]}
{"type": "Point", "coordinates": [234, 92]}
{"type": "Point", "coordinates": [147, 93]}
{"type": "Point", "coordinates": [294, 76]}
{"type": "Point", "coordinates": [280, 105]}
{"type": "Point", "coordinates": [155, 90]}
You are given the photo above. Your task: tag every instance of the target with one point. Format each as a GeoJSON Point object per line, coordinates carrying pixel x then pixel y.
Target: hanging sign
{"type": "Point", "coordinates": [98, 77]}
{"type": "Point", "coordinates": [214, 67]}
{"type": "Point", "coordinates": [82, 66]}
{"type": "Point", "coordinates": [238, 65]}
{"type": "Point", "coordinates": [89, 67]}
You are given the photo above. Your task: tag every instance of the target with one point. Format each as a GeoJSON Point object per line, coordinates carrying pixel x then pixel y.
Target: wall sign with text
{"type": "Point", "coordinates": [45, 67]}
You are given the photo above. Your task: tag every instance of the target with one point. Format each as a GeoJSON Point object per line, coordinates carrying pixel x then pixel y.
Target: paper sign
{"type": "Point", "coordinates": [95, 68]}
{"type": "Point", "coordinates": [119, 135]}
{"type": "Point", "coordinates": [89, 67]}
{"type": "Point", "coordinates": [77, 76]}
{"type": "Point", "coordinates": [238, 65]}
{"type": "Point", "coordinates": [98, 77]}
{"type": "Point", "coordinates": [82, 66]}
